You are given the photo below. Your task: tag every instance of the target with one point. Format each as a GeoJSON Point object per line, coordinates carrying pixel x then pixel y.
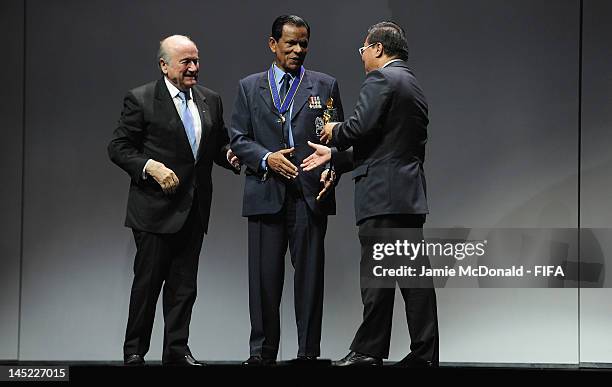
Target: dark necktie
{"type": "Point", "coordinates": [285, 86]}
{"type": "Point", "coordinates": [283, 93]}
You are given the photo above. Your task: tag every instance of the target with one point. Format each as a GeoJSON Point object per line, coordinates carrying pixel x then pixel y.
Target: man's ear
{"type": "Point", "coordinates": [163, 66]}
{"type": "Point", "coordinates": [272, 43]}
{"type": "Point", "coordinates": [380, 50]}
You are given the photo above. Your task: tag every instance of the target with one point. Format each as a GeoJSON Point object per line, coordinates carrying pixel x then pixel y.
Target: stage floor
{"type": "Point", "coordinates": [287, 373]}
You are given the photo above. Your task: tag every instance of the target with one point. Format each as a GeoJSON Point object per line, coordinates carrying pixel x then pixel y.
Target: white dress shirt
{"type": "Point", "coordinates": [178, 104]}
{"type": "Point", "coordinates": [391, 61]}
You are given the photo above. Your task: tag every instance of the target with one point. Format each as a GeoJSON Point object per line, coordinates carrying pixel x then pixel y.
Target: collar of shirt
{"type": "Point", "coordinates": [173, 90]}
{"type": "Point", "coordinates": [391, 61]}
{"type": "Point", "coordinates": [278, 76]}
{"type": "Point", "coordinates": [178, 103]}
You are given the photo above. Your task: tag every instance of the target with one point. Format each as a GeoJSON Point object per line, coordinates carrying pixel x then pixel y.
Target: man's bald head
{"type": "Point", "coordinates": [168, 46]}
{"type": "Point", "coordinates": [179, 61]}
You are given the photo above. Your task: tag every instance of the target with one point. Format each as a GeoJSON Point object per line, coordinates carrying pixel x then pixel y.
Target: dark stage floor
{"type": "Point", "coordinates": [290, 374]}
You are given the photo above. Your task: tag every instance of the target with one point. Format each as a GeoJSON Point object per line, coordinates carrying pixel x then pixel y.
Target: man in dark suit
{"type": "Point", "coordinates": [387, 133]}
{"type": "Point", "coordinates": [273, 119]}
{"type": "Point", "coordinates": [167, 138]}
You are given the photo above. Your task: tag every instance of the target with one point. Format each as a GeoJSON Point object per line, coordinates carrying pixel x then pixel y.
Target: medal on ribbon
{"type": "Point", "coordinates": [283, 106]}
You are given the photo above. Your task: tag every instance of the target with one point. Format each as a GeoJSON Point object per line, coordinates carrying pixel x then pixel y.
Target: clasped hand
{"type": "Point", "coordinates": [327, 133]}
{"type": "Point", "coordinates": [165, 177]}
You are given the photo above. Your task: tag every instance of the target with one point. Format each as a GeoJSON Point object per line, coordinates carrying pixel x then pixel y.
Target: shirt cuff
{"type": "Point", "coordinates": [264, 164]}
{"type": "Point", "coordinates": [144, 169]}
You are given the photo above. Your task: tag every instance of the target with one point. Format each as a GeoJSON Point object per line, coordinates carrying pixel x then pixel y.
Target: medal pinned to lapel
{"type": "Point", "coordinates": [314, 102]}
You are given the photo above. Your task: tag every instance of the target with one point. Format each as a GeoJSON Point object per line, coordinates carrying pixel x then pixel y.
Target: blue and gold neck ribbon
{"type": "Point", "coordinates": [283, 106]}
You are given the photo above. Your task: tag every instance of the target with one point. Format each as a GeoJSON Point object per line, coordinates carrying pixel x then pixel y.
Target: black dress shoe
{"type": "Point", "coordinates": [415, 363]}
{"type": "Point", "coordinates": [306, 358]}
{"type": "Point", "coordinates": [309, 361]}
{"type": "Point", "coordinates": [186, 360]}
{"type": "Point", "coordinates": [358, 359]}
{"type": "Point", "coordinates": [258, 361]}
{"type": "Point", "coordinates": [133, 360]}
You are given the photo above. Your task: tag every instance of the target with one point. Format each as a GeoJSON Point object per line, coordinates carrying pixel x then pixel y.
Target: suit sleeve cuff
{"type": "Point", "coordinates": [335, 133]}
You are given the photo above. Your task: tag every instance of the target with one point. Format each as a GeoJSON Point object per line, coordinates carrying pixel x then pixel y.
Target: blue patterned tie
{"type": "Point", "coordinates": [188, 122]}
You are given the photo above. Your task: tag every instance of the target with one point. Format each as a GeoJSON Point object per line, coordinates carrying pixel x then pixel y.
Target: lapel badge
{"type": "Point", "coordinates": [314, 102]}
{"type": "Point", "coordinates": [311, 102]}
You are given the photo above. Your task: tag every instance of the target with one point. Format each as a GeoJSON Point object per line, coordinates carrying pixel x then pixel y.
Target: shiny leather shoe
{"type": "Point", "coordinates": [186, 360]}
{"type": "Point", "coordinates": [309, 361]}
{"type": "Point", "coordinates": [358, 359]}
{"type": "Point", "coordinates": [306, 358]}
{"type": "Point", "coordinates": [259, 361]}
{"type": "Point", "coordinates": [133, 360]}
{"type": "Point", "coordinates": [415, 363]}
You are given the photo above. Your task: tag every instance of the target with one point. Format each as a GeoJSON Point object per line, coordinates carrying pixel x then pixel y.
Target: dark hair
{"type": "Point", "coordinates": [277, 26]}
{"type": "Point", "coordinates": [391, 36]}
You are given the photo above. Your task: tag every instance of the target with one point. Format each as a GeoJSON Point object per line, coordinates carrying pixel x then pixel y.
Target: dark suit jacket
{"type": "Point", "coordinates": [255, 131]}
{"type": "Point", "coordinates": [151, 128]}
{"type": "Point", "coordinates": [388, 132]}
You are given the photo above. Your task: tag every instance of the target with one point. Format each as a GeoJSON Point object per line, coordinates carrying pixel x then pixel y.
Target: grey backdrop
{"type": "Point", "coordinates": [596, 185]}
{"type": "Point", "coordinates": [11, 111]}
{"type": "Point", "coordinates": [502, 79]}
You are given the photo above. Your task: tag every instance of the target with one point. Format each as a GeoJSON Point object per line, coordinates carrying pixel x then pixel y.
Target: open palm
{"type": "Point", "coordinates": [320, 156]}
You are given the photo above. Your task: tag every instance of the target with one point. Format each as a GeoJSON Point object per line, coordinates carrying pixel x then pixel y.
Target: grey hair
{"type": "Point", "coordinates": [162, 53]}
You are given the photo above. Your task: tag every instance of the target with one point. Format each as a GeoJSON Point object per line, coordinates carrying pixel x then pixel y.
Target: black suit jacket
{"type": "Point", "coordinates": [151, 128]}
{"type": "Point", "coordinates": [255, 131]}
{"type": "Point", "coordinates": [387, 132]}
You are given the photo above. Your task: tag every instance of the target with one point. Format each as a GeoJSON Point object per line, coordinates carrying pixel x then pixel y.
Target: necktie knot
{"type": "Point", "coordinates": [285, 85]}
{"type": "Point", "coordinates": [184, 96]}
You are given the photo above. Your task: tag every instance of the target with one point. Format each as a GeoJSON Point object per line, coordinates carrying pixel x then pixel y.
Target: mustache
{"type": "Point", "coordinates": [190, 74]}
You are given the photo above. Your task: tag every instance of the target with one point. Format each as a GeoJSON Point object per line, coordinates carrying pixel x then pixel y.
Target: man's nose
{"type": "Point", "coordinates": [192, 67]}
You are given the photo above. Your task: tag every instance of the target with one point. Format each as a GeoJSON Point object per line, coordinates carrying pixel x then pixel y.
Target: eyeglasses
{"type": "Point", "coordinates": [362, 49]}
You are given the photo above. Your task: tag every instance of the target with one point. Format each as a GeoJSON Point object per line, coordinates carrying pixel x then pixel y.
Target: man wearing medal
{"type": "Point", "coordinates": [272, 122]}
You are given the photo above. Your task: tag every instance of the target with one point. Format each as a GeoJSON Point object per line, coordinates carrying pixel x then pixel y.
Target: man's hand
{"type": "Point", "coordinates": [326, 135]}
{"type": "Point", "coordinates": [327, 179]}
{"type": "Point", "coordinates": [233, 159]}
{"type": "Point", "coordinates": [279, 164]}
{"type": "Point", "coordinates": [320, 156]}
{"type": "Point", "coordinates": [165, 177]}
